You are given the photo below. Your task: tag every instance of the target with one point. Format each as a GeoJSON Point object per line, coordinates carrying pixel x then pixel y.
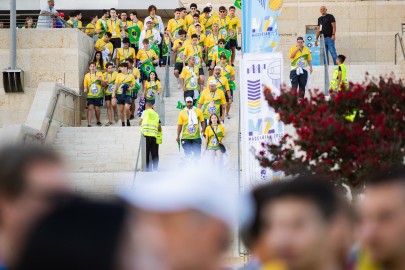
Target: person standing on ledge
{"type": "Point", "coordinates": [327, 27]}
{"type": "Point", "coordinates": [300, 59]}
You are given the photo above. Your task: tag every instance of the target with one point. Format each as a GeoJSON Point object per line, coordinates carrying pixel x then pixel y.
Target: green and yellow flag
{"type": "Point", "coordinates": [238, 4]}
{"type": "Point", "coordinates": [155, 47]}
{"type": "Point", "coordinates": [147, 67]}
{"type": "Point", "coordinates": [134, 33]}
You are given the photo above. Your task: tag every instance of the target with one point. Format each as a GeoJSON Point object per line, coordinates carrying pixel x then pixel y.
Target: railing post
{"type": "Point", "coordinates": [326, 66]}
{"type": "Point", "coordinates": [13, 28]}
{"type": "Point", "coordinates": [143, 153]}
{"type": "Point", "coordinates": [395, 49]}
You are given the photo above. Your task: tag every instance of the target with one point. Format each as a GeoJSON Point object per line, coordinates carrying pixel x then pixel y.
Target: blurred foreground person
{"type": "Point", "coordinates": [301, 219]}
{"type": "Point", "coordinates": [382, 226]}
{"type": "Point", "coordinates": [32, 180]}
{"type": "Point", "coordinates": [82, 235]}
{"type": "Point", "coordinates": [196, 216]}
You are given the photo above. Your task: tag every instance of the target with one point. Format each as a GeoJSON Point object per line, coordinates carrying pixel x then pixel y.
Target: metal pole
{"type": "Point", "coordinates": [395, 37]}
{"type": "Point", "coordinates": [13, 28]}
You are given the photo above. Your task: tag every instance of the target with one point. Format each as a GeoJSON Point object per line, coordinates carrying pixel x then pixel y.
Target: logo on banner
{"type": "Point", "coordinates": [254, 95]}
{"type": "Point", "coordinates": [265, 24]}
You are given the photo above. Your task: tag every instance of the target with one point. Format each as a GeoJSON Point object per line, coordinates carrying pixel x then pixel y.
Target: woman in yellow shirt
{"type": "Point", "coordinates": [215, 134]}
{"type": "Point", "coordinates": [28, 23]}
{"type": "Point", "coordinates": [98, 59]}
{"type": "Point", "coordinates": [152, 87]}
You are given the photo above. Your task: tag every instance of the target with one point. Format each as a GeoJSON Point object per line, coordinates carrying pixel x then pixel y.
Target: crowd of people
{"type": "Point", "coordinates": [185, 220]}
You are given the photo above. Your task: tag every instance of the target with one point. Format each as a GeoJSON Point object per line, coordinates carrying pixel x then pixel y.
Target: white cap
{"type": "Point", "coordinates": [208, 4]}
{"type": "Point", "coordinates": [213, 82]}
{"type": "Point", "coordinates": [191, 190]}
{"type": "Point", "coordinates": [148, 20]}
{"type": "Point", "coordinates": [217, 67]}
{"type": "Point", "coordinates": [189, 99]}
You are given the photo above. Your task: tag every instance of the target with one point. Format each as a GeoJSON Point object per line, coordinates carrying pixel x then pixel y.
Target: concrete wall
{"type": "Point", "coordinates": [45, 55]}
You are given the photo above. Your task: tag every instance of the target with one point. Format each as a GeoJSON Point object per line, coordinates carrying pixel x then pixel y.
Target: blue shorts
{"type": "Point", "coordinates": [98, 102]}
{"type": "Point", "coordinates": [233, 43]}
{"type": "Point", "coordinates": [179, 67]}
{"type": "Point", "coordinates": [108, 98]}
{"type": "Point", "coordinates": [134, 95]}
{"type": "Point", "coordinates": [122, 101]}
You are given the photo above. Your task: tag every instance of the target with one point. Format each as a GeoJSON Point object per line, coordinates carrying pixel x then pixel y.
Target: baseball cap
{"type": "Point", "coordinates": [213, 82]}
{"type": "Point", "coordinates": [217, 67]}
{"type": "Point", "coordinates": [209, 4]}
{"type": "Point", "coordinates": [188, 99]}
{"type": "Point", "coordinates": [148, 20]}
{"type": "Point", "coordinates": [61, 14]}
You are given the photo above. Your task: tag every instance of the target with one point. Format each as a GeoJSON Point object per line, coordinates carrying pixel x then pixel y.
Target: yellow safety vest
{"type": "Point", "coordinates": [343, 83]}
{"type": "Point", "coordinates": [150, 123]}
{"type": "Point", "coordinates": [159, 138]}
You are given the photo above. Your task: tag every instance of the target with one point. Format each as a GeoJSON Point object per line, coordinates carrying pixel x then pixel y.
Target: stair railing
{"type": "Point", "coordinates": [398, 39]}
{"type": "Point", "coordinates": [324, 60]}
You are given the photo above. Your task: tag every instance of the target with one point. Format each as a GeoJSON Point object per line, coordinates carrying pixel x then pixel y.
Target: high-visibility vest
{"type": "Point", "coordinates": [150, 123]}
{"type": "Point", "coordinates": [159, 138]}
{"type": "Point", "coordinates": [343, 83]}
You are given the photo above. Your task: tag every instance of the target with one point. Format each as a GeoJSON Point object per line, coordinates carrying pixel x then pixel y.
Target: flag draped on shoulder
{"type": "Point", "coordinates": [147, 67]}
{"type": "Point", "coordinates": [134, 33]}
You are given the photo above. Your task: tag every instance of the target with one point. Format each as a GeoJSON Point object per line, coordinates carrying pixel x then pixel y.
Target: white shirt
{"type": "Point", "coordinates": [161, 25]}
{"type": "Point", "coordinates": [46, 21]}
{"type": "Point", "coordinates": [156, 37]}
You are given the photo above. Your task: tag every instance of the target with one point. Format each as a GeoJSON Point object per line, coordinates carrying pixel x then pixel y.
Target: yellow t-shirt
{"type": "Point", "coordinates": [100, 25]}
{"type": "Point", "coordinates": [90, 28]}
{"type": "Point", "coordinates": [196, 51]}
{"type": "Point", "coordinates": [192, 131]}
{"type": "Point", "coordinates": [122, 79]}
{"type": "Point", "coordinates": [180, 51]}
{"type": "Point", "coordinates": [224, 27]}
{"type": "Point", "coordinates": [114, 27]}
{"type": "Point", "coordinates": [93, 85]}
{"type": "Point", "coordinates": [208, 22]}
{"type": "Point", "coordinates": [79, 24]}
{"type": "Point", "coordinates": [234, 23]}
{"type": "Point", "coordinates": [191, 30]}
{"type": "Point", "coordinates": [109, 79]}
{"type": "Point", "coordinates": [211, 102]}
{"type": "Point", "coordinates": [136, 73]}
{"type": "Point", "coordinates": [123, 54]}
{"type": "Point", "coordinates": [211, 43]}
{"type": "Point", "coordinates": [213, 142]}
{"type": "Point", "coordinates": [228, 71]}
{"type": "Point", "coordinates": [152, 87]}
{"type": "Point", "coordinates": [216, 57]}
{"type": "Point", "coordinates": [222, 83]}
{"type": "Point", "coordinates": [190, 79]}
{"type": "Point", "coordinates": [101, 45]}
{"type": "Point", "coordinates": [189, 20]}
{"type": "Point", "coordinates": [174, 26]}
{"type": "Point", "coordinates": [99, 67]}
{"type": "Point", "coordinates": [301, 57]}
{"type": "Point", "coordinates": [145, 55]}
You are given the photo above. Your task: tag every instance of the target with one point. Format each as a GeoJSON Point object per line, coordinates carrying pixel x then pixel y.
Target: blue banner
{"type": "Point", "coordinates": [260, 25]}
{"type": "Point", "coordinates": [310, 38]}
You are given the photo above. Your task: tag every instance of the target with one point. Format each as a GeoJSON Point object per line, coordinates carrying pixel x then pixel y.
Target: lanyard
{"type": "Point", "coordinates": [147, 55]}
{"type": "Point", "coordinates": [151, 86]}
{"type": "Point", "coordinates": [196, 51]}
{"type": "Point", "coordinates": [95, 77]}
{"type": "Point", "coordinates": [213, 96]}
{"type": "Point", "coordinates": [189, 117]}
{"type": "Point", "coordinates": [109, 77]}
{"type": "Point", "coordinates": [177, 22]}
{"type": "Point", "coordinates": [115, 23]}
{"type": "Point", "coordinates": [125, 54]}
{"type": "Point", "coordinates": [223, 23]}
{"type": "Point", "coordinates": [215, 39]}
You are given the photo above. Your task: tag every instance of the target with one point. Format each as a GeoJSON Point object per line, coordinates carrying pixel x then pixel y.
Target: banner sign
{"type": "Point", "coordinates": [259, 123]}
{"type": "Point", "coordinates": [310, 38]}
{"type": "Point", "coordinates": [260, 25]}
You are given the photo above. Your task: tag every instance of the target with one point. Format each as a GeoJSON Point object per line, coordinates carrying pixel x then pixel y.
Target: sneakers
{"type": "Point", "coordinates": [99, 124]}
{"type": "Point", "coordinates": [228, 117]}
{"type": "Point", "coordinates": [108, 124]}
{"type": "Point", "coordinates": [132, 117]}
{"type": "Point", "coordinates": [123, 124]}
{"type": "Point", "coordinates": [128, 123]}
{"type": "Point", "coordinates": [116, 118]}
{"type": "Point", "coordinates": [88, 125]}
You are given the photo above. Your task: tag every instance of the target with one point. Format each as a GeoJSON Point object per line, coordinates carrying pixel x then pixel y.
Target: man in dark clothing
{"type": "Point", "coordinates": [327, 27]}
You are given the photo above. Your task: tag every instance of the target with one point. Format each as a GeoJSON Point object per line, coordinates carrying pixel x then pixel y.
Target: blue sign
{"type": "Point", "coordinates": [310, 38]}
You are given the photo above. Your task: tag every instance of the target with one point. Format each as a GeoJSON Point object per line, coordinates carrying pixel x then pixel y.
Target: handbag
{"type": "Point", "coordinates": [221, 145]}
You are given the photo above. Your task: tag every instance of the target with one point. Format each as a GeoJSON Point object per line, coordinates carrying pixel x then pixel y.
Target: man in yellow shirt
{"type": "Point", "coordinates": [178, 49]}
{"type": "Point", "coordinates": [135, 21]}
{"type": "Point", "coordinates": [189, 17]}
{"type": "Point", "coordinates": [91, 28]}
{"type": "Point", "coordinates": [79, 20]}
{"type": "Point", "coordinates": [101, 25]}
{"type": "Point", "coordinates": [229, 72]}
{"type": "Point", "coordinates": [175, 25]}
{"type": "Point", "coordinates": [125, 23]}
{"type": "Point", "coordinates": [109, 82]}
{"type": "Point", "coordinates": [188, 125]}
{"type": "Point", "coordinates": [104, 45]}
{"type": "Point", "coordinates": [195, 50]}
{"type": "Point", "coordinates": [192, 28]}
{"type": "Point", "coordinates": [73, 20]}
{"type": "Point", "coordinates": [207, 20]}
{"type": "Point", "coordinates": [134, 71]}
{"type": "Point", "coordinates": [222, 83]}
{"type": "Point", "coordinates": [92, 86]}
{"type": "Point", "coordinates": [224, 24]}
{"type": "Point", "coordinates": [125, 52]}
{"type": "Point", "coordinates": [124, 83]}
{"type": "Point", "coordinates": [146, 54]}
{"type": "Point", "coordinates": [234, 31]}
{"type": "Point", "coordinates": [114, 26]}
{"type": "Point", "coordinates": [300, 59]}
{"type": "Point", "coordinates": [192, 79]}
{"type": "Point", "coordinates": [211, 45]}
{"type": "Point", "coordinates": [212, 100]}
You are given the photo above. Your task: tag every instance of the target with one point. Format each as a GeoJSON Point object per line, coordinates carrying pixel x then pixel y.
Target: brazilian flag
{"type": "Point", "coordinates": [155, 48]}
{"type": "Point", "coordinates": [165, 49]}
{"type": "Point", "coordinates": [103, 29]}
{"type": "Point", "coordinates": [238, 4]}
{"type": "Point", "coordinates": [226, 52]}
{"type": "Point", "coordinates": [147, 67]}
{"type": "Point", "coordinates": [134, 33]}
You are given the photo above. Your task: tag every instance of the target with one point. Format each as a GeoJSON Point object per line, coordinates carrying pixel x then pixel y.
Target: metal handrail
{"type": "Point", "coordinates": [34, 17]}
{"type": "Point", "coordinates": [398, 38]}
{"type": "Point", "coordinates": [137, 161]}
{"type": "Point", "coordinates": [326, 66]}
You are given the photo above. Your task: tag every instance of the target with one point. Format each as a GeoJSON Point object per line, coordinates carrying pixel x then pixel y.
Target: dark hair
{"type": "Point", "coordinates": [26, 21]}
{"type": "Point", "coordinates": [395, 175]}
{"type": "Point", "coordinates": [72, 14]}
{"type": "Point", "coordinates": [177, 10]}
{"type": "Point", "coordinates": [104, 12]}
{"type": "Point", "coordinates": [182, 9]}
{"type": "Point", "coordinates": [125, 65]}
{"type": "Point", "coordinates": [148, 104]}
{"type": "Point", "coordinates": [108, 34]}
{"type": "Point", "coordinates": [93, 16]}
{"type": "Point", "coordinates": [151, 7]}
{"type": "Point", "coordinates": [198, 11]}
{"type": "Point", "coordinates": [196, 16]}
{"type": "Point", "coordinates": [101, 61]}
{"type": "Point", "coordinates": [193, 5]}
{"type": "Point", "coordinates": [15, 161]}
{"type": "Point", "coordinates": [222, 56]}
{"type": "Point", "coordinates": [156, 76]}
{"type": "Point", "coordinates": [206, 10]}
{"type": "Point", "coordinates": [342, 58]}
{"type": "Point", "coordinates": [129, 59]}
{"type": "Point", "coordinates": [145, 41]}
{"type": "Point", "coordinates": [221, 8]}
{"type": "Point", "coordinates": [108, 64]}
{"type": "Point", "coordinates": [93, 63]}
{"type": "Point", "coordinates": [78, 12]}
{"type": "Point", "coordinates": [125, 40]}
{"type": "Point", "coordinates": [134, 13]}
{"type": "Point", "coordinates": [80, 234]}
{"type": "Point", "coordinates": [182, 32]}
{"type": "Point", "coordinates": [221, 40]}
{"type": "Point", "coordinates": [112, 9]}
{"type": "Point", "coordinates": [232, 7]}
{"type": "Point", "coordinates": [300, 38]}
{"type": "Point", "coordinates": [194, 36]}
{"type": "Point", "coordinates": [210, 122]}
{"type": "Point", "coordinates": [124, 11]}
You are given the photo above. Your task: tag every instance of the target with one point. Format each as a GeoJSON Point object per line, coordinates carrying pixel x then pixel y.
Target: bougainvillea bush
{"type": "Point", "coordinates": [325, 142]}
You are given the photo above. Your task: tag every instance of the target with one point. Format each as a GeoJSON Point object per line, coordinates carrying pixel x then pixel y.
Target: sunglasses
{"type": "Point", "coordinates": [221, 43]}
{"type": "Point", "coordinates": [222, 11]}
{"type": "Point", "coordinates": [193, 8]}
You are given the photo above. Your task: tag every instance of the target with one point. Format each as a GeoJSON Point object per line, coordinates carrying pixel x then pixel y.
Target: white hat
{"type": "Point", "coordinates": [189, 99]}
{"type": "Point", "coordinates": [208, 4]}
{"type": "Point", "coordinates": [213, 82]}
{"type": "Point", "coordinates": [148, 20]}
{"type": "Point", "coordinates": [217, 67]}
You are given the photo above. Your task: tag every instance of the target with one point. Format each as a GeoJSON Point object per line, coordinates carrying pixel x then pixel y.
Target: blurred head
{"type": "Point", "coordinates": [145, 43]}
{"type": "Point", "coordinates": [98, 56]}
{"type": "Point", "coordinates": [148, 105]}
{"type": "Point", "coordinates": [107, 36]}
{"type": "Point", "coordinates": [78, 14]}
{"type": "Point", "coordinates": [149, 24]}
{"type": "Point", "coordinates": [217, 71]}
{"type": "Point", "coordinates": [189, 102]}
{"type": "Point", "coordinates": [51, 3]}
{"type": "Point", "coordinates": [323, 10]}
{"type": "Point", "coordinates": [105, 13]}
{"type": "Point", "coordinates": [213, 85]}
{"type": "Point", "coordinates": [206, 12]}
{"type": "Point", "coordinates": [124, 15]}
{"type": "Point", "coordinates": [153, 76]}
{"type": "Point", "coordinates": [300, 219]}
{"type": "Point", "coordinates": [31, 179]}
{"type": "Point", "coordinates": [232, 10]}
{"type": "Point", "coordinates": [183, 12]}
{"type": "Point", "coordinates": [194, 39]}
{"type": "Point", "coordinates": [221, 43]}
{"type": "Point", "coordinates": [300, 41]}
{"type": "Point", "coordinates": [382, 217]}
{"type": "Point", "coordinates": [213, 119]}
{"type": "Point", "coordinates": [223, 60]}
{"type": "Point", "coordinates": [125, 41]}
{"type": "Point", "coordinates": [193, 7]}
{"type": "Point", "coordinates": [130, 62]}
{"type": "Point", "coordinates": [215, 27]}
{"type": "Point", "coordinates": [191, 61]}
{"type": "Point", "coordinates": [92, 67]}
{"type": "Point", "coordinates": [94, 18]}
{"type": "Point", "coordinates": [182, 34]}
{"type": "Point", "coordinates": [109, 67]}
{"type": "Point", "coordinates": [113, 13]}
{"type": "Point", "coordinates": [196, 18]}
{"type": "Point", "coordinates": [222, 11]}
{"type": "Point", "coordinates": [28, 22]}
{"type": "Point", "coordinates": [124, 67]}
{"type": "Point", "coordinates": [177, 12]}
{"type": "Point", "coordinates": [152, 10]}
{"type": "Point", "coordinates": [133, 15]}
{"type": "Point", "coordinates": [209, 5]}
{"type": "Point", "coordinates": [340, 59]}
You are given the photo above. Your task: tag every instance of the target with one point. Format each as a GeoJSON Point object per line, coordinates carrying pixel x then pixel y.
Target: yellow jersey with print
{"type": "Point", "coordinates": [211, 102]}
{"type": "Point", "coordinates": [191, 30]}
{"type": "Point", "coordinates": [235, 24]}
{"type": "Point", "coordinates": [216, 57]}
{"type": "Point", "coordinates": [208, 22]}
{"type": "Point", "coordinates": [136, 73]}
{"type": "Point", "coordinates": [149, 35]}
{"type": "Point", "coordinates": [222, 83]}
{"type": "Point", "coordinates": [211, 43]}
{"type": "Point", "coordinates": [123, 54]}
{"type": "Point", "coordinates": [228, 72]}
{"type": "Point", "coordinates": [224, 27]}
{"type": "Point", "coordinates": [190, 130]}
{"type": "Point", "coordinates": [155, 23]}
{"type": "Point", "coordinates": [101, 45]}
{"type": "Point", "coordinates": [212, 140]}
{"type": "Point", "coordinates": [180, 51]}
{"type": "Point", "coordinates": [79, 24]}
{"type": "Point", "coordinates": [109, 79]}
{"type": "Point", "coordinates": [124, 79]}
{"type": "Point", "coordinates": [90, 29]}
{"type": "Point", "coordinates": [99, 67]}
{"type": "Point", "coordinates": [72, 23]}
{"type": "Point", "coordinates": [173, 26]}
{"type": "Point", "coordinates": [196, 51]}
{"type": "Point", "coordinates": [101, 25]}
{"type": "Point", "coordinates": [301, 58]}
{"type": "Point", "coordinates": [93, 85]}
{"type": "Point", "coordinates": [152, 88]}
{"type": "Point", "coordinates": [189, 20]}
{"type": "Point", "coordinates": [114, 27]}
{"type": "Point", "coordinates": [144, 55]}
{"type": "Point", "coordinates": [190, 76]}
